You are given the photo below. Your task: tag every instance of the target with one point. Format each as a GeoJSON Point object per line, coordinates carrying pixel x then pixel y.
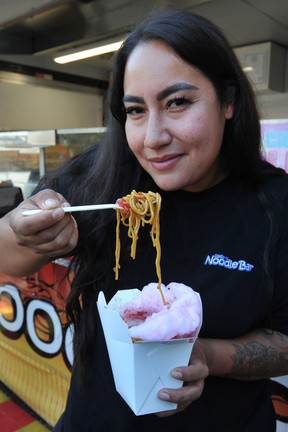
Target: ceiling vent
{"type": "Point", "coordinates": [265, 64]}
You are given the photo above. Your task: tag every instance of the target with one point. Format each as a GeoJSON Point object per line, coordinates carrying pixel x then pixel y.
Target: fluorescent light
{"type": "Point", "coordinates": [248, 68]}
{"type": "Point", "coordinates": [92, 52]}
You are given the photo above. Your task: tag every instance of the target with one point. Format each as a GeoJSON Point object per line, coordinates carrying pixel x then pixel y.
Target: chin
{"type": "Point", "coordinates": [168, 182]}
{"type": "Point", "coordinates": [168, 187]}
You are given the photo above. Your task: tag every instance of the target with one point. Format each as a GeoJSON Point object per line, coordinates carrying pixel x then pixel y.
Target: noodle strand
{"type": "Point", "coordinates": [139, 209]}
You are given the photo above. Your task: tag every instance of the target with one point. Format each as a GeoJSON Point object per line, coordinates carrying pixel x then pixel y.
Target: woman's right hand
{"type": "Point", "coordinates": [29, 242]}
{"type": "Point", "coordinates": [52, 232]}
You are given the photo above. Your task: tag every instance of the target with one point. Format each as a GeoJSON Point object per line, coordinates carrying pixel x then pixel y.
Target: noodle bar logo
{"type": "Point", "coordinates": [222, 261]}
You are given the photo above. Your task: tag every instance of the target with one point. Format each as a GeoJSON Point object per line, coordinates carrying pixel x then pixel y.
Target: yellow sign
{"type": "Point", "coordinates": [36, 352]}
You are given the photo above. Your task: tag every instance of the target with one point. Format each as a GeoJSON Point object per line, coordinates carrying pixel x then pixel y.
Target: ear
{"type": "Point", "coordinates": [229, 110]}
{"type": "Point", "coordinates": [229, 97]}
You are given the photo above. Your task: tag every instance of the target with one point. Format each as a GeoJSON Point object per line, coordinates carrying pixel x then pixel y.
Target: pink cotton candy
{"type": "Point", "coordinates": [150, 320]}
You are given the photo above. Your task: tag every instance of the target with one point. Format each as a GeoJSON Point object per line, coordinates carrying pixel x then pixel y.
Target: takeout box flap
{"type": "Point", "coordinates": [113, 325]}
{"type": "Point", "coordinates": [140, 370]}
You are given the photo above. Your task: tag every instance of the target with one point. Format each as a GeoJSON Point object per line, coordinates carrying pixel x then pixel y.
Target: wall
{"type": "Point", "coordinates": [33, 106]}
{"type": "Point", "coordinates": [274, 105]}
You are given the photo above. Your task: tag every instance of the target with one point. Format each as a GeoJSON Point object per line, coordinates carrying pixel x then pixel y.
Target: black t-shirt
{"type": "Point", "coordinates": [212, 241]}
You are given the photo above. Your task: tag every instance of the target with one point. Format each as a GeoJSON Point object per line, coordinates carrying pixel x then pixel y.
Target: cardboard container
{"type": "Point", "coordinates": [141, 369]}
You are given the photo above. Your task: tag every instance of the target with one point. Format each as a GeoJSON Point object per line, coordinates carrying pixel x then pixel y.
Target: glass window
{"type": "Point", "coordinates": [23, 160]}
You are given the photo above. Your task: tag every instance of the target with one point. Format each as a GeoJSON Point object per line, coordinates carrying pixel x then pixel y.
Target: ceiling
{"type": "Point", "coordinates": [33, 32]}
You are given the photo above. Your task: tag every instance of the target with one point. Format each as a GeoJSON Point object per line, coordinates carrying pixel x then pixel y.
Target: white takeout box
{"type": "Point", "coordinates": [141, 369]}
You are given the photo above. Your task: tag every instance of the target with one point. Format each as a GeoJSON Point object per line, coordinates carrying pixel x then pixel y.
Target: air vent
{"type": "Point", "coordinates": [264, 63]}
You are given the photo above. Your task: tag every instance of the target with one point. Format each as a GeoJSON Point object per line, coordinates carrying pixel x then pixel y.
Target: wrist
{"type": "Point", "coordinates": [216, 353]}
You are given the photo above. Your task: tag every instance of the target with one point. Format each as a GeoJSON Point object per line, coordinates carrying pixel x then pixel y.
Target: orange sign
{"type": "Point", "coordinates": [36, 352]}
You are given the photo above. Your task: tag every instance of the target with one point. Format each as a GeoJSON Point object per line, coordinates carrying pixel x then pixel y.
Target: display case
{"type": "Point", "coordinates": [27, 155]}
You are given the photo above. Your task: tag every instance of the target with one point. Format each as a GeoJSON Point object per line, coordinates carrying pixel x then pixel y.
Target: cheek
{"type": "Point", "coordinates": [129, 136]}
{"type": "Point", "coordinates": [133, 139]}
{"type": "Point", "coordinates": [192, 132]}
{"type": "Point", "coordinates": [207, 127]}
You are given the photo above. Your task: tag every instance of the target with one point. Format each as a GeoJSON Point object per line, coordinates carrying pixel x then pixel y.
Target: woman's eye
{"type": "Point", "coordinates": [179, 102]}
{"type": "Point", "coordinates": [133, 110]}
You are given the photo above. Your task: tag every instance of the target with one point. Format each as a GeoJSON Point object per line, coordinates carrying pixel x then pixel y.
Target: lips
{"type": "Point", "coordinates": [165, 162]}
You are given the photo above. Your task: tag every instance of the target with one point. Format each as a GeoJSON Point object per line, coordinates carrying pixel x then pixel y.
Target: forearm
{"type": "Point", "coordinates": [29, 242]}
{"type": "Point", "coordinates": [17, 260]}
{"type": "Point", "coordinates": [260, 354]}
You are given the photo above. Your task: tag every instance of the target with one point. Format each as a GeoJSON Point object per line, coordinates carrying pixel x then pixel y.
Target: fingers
{"type": "Point", "coordinates": [44, 200]}
{"type": "Point", "coordinates": [182, 397]}
{"type": "Point", "coordinates": [193, 377]}
{"type": "Point", "coordinates": [32, 224]}
{"type": "Point", "coordinates": [51, 232]}
{"type": "Point", "coordinates": [187, 393]}
{"type": "Point", "coordinates": [58, 239]}
{"type": "Point", "coordinates": [51, 201]}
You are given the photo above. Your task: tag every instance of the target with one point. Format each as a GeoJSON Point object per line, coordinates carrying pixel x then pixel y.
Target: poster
{"type": "Point", "coordinates": [275, 142]}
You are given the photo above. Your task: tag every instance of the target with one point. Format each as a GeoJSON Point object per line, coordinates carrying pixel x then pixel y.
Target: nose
{"type": "Point", "coordinates": [157, 133]}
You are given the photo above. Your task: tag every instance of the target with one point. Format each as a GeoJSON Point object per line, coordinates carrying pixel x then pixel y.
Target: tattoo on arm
{"type": "Point", "coordinates": [256, 359]}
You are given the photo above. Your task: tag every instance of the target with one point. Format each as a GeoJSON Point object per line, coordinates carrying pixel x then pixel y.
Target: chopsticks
{"type": "Point", "coordinates": [76, 208]}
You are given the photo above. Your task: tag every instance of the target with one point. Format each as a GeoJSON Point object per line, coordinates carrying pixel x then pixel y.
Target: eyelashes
{"type": "Point", "coordinates": [173, 104]}
{"type": "Point", "coordinates": [179, 101]}
{"type": "Point", "coordinates": [133, 110]}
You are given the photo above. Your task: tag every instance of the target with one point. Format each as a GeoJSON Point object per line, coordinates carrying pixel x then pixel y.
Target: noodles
{"type": "Point", "coordinates": [139, 209]}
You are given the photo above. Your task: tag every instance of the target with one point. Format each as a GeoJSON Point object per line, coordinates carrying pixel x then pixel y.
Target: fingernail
{"type": "Point", "coordinates": [50, 203]}
{"type": "Point", "coordinates": [58, 213]}
{"type": "Point", "coordinates": [176, 374]}
{"type": "Point", "coordinates": [164, 396]}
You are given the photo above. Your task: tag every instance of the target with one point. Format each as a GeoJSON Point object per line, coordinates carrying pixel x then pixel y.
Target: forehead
{"type": "Point", "coordinates": [155, 62]}
{"type": "Point", "coordinates": [151, 47]}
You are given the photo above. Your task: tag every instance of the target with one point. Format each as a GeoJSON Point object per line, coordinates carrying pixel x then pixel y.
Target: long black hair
{"type": "Point", "coordinates": [201, 44]}
{"type": "Point", "coordinates": [110, 170]}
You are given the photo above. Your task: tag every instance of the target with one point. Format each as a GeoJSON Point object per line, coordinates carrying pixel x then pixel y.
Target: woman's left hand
{"type": "Point", "coordinates": [259, 354]}
{"type": "Point", "coordinates": [193, 376]}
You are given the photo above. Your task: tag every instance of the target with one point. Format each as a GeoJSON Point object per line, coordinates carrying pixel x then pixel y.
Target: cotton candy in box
{"type": "Point", "coordinates": [141, 369]}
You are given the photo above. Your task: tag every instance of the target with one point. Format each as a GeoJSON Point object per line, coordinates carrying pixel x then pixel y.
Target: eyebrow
{"type": "Point", "coordinates": [174, 88]}
{"type": "Point", "coordinates": [163, 93]}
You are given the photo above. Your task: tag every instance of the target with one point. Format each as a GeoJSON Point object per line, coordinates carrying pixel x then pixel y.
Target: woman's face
{"type": "Point", "coordinates": [174, 120]}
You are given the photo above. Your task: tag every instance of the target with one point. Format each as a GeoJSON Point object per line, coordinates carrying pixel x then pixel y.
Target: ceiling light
{"type": "Point", "coordinates": [87, 53]}
{"type": "Point", "coordinates": [248, 69]}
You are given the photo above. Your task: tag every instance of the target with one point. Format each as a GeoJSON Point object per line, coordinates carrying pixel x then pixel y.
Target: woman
{"type": "Point", "coordinates": [182, 121]}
